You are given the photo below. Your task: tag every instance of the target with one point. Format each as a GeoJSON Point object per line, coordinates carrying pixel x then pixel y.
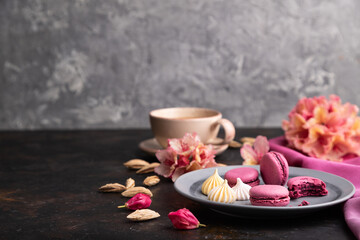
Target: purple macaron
{"type": "Point", "coordinates": [274, 168]}
{"type": "Point", "coordinates": [269, 195]}
{"type": "Point", "coordinates": [303, 186]}
{"type": "Point", "coordinates": [248, 175]}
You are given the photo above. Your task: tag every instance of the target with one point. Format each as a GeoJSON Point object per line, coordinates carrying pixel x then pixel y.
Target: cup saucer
{"type": "Point", "coordinates": [151, 146]}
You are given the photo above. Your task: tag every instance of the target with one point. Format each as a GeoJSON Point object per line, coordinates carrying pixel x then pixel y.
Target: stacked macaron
{"type": "Point", "coordinates": [269, 195]}
{"type": "Point", "coordinates": [274, 168]}
{"type": "Point", "coordinates": [274, 171]}
{"type": "Point", "coordinates": [247, 175]}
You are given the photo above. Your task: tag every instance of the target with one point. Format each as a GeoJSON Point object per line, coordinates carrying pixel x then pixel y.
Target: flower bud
{"type": "Point", "coordinates": [139, 201]}
{"type": "Point", "coordinates": [184, 219]}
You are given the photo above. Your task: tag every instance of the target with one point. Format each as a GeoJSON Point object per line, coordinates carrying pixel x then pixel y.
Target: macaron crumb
{"type": "Point", "coordinates": [304, 203]}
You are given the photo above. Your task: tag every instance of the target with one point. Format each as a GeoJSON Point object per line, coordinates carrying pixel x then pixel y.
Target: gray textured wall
{"type": "Point", "coordinates": [106, 64]}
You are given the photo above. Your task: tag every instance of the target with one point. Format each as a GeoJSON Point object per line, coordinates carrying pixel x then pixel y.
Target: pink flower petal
{"type": "Point", "coordinates": [261, 146]}
{"type": "Point", "coordinates": [194, 165]}
{"type": "Point", "coordinates": [250, 162]}
{"type": "Point", "coordinates": [190, 140]}
{"type": "Point", "coordinates": [248, 153]}
{"type": "Point", "coordinates": [211, 163]}
{"type": "Point", "coordinates": [183, 161]}
{"type": "Point", "coordinates": [163, 155]}
{"type": "Point", "coordinates": [164, 170]}
{"type": "Point", "coordinates": [175, 144]}
{"type": "Point", "coordinates": [177, 173]}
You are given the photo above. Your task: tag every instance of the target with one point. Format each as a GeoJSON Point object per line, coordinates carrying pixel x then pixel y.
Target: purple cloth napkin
{"type": "Point", "coordinates": [348, 169]}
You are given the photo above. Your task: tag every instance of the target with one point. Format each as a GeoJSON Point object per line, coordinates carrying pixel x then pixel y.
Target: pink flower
{"type": "Point", "coordinates": [184, 155]}
{"type": "Point", "coordinates": [184, 219]}
{"type": "Point", "coordinates": [253, 154]}
{"type": "Point", "coordinates": [324, 128]}
{"type": "Point", "coordinates": [139, 201]}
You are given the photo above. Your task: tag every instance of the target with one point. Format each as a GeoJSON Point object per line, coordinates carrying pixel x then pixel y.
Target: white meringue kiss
{"type": "Point", "coordinates": [241, 190]}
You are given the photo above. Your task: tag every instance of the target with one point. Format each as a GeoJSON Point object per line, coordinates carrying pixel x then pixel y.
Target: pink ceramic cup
{"type": "Point", "coordinates": [175, 122]}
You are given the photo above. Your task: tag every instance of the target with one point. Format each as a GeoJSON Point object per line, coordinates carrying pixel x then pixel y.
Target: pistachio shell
{"type": "Point", "coordinates": [112, 187]}
{"type": "Point", "coordinates": [151, 180]}
{"type": "Point", "coordinates": [136, 163]}
{"type": "Point", "coordinates": [249, 140]}
{"type": "Point", "coordinates": [148, 168]}
{"type": "Point", "coordinates": [130, 183]}
{"type": "Point", "coordinates": [143, 215]}
{"type": "Point", "coordinates": [235, 144]}
{"type": "Point", "coordinates": [135, 190]}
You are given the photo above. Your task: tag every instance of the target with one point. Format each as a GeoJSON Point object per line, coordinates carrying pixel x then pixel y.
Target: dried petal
{"type": "Point", "coordinates": [112, 187]}
{"type": "Point", "coordinates": [136, 163]}
{"type": "Point", "coordinates": [143, 215]}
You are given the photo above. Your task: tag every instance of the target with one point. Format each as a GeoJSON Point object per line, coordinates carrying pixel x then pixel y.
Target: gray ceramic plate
{"type": "Point", "coordinates": [340, 189]}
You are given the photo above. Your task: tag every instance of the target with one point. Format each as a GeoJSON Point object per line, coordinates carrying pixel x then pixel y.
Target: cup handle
{"type": "Point", "coordinates": [229, 130]}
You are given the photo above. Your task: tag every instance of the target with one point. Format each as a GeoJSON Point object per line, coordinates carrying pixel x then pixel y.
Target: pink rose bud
{"type": "Point", "coordinates": [184, 219]}
{"type": "Point", "coordinates": [139, 201]}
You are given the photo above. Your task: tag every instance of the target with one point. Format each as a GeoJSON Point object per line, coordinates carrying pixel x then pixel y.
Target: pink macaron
{"type": "Point", "coordinates": [248, 175]}
{"type": "Point", "coordinates": [303, 186]}
{"type": "Point", "coordinates": [274, 168]}
{"type": "Point", "coordinates": [269, 195]}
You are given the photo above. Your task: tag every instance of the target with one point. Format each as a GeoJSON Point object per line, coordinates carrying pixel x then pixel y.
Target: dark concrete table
{"type": "Point", "coordinates": [49, 182]}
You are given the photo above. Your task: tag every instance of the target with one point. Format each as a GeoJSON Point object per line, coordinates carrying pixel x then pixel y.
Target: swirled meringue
{"type": "Point", "coordinates": [212, 182]}
{"type": "Point", "coordinates": [222, 193]}
{"type": "Point", "coordinates": [241, 190]}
